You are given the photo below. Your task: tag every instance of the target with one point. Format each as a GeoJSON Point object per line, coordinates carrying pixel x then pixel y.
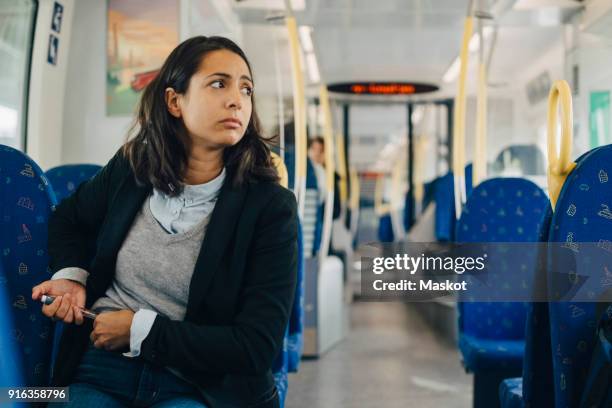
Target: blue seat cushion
{"type": "Point", "coordinates": [511, 393]}
{"type": "Point", "coordinates": [26, 201]}
{"type": "Point", "coordinates": [485, 354]}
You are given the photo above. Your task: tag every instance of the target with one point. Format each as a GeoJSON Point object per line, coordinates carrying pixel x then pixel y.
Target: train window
{"type": "Point", "coordinates": [16, 31]}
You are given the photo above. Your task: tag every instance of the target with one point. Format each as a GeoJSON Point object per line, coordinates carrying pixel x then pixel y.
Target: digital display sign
{"type": "Point", "coordinates": [382, 88]}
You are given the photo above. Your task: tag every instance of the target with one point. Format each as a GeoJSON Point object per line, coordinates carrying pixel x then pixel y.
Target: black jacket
{"type": "Point", "coordinates": [240, 294]}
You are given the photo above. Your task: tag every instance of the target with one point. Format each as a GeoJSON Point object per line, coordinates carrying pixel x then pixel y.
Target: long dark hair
{"type": "Point", "coordinates": [158, 147]}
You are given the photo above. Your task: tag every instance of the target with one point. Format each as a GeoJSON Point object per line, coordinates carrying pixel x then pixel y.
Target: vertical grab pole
{"type": "Point", "coordinates": [299, 108]}
{"type": "Point", "coordinates": [328, 136]}
{"type": "Point", "coordinates": [459, 116]}
{"type": "Point", "coordinates": [280, 104]}
{"type": "Point", "coordinates": [411, 167]}
{"type": "Point", "coordinates": [480, 145]}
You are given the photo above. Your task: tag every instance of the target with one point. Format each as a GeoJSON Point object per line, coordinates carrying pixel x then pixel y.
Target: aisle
{"type": "Point", "coordinates": [390, 360]}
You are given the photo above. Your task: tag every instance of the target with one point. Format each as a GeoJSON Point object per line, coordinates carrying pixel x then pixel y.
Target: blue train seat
{"type": "Point", "coordinates": [491, 335]}
{"type": "Point", "coordinates": [535, 387]}
{"type": "Point", "coordinates": [280, 369]}
{"type": "Point", "coordinates": [295, 340]}
{"type": "Point", "coordinates": [26, 201]}
{"type": "Point", "coordinates": [11, 366]}
{"type": "Point", "coordinates": [445, 204]}
{"type": "Point", "coordinates": [385, 229]}
{"type": "Point", "coordinates": [66, 179]}
{"type": "Point", "coordinates": [581, 216]}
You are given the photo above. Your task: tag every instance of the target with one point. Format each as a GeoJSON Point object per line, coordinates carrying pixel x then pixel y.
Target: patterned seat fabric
{"type": "Point", "coordinates": [10, 364]}
{"type": "Point", "coordinates": [445, 204]}
{"type": "Point", "coordinates": [295, 341]}
{"type": "Point", "coordinates": [582, 215]}
{"type": "Point", "coordinates": [491, 335]}
{"type": "Point", "coordinates": [26, 201]}
{"type": "Point", "coordinates": [65, 179]}
{"type": "Point", "coordinates": [535, 387]}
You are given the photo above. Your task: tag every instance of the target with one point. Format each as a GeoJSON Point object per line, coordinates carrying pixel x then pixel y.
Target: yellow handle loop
{"type": "Point", "coordinates": [559, 163]}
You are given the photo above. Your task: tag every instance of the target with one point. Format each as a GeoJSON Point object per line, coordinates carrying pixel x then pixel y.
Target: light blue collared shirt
{"type": "Point", "coordinates": [176, 215]}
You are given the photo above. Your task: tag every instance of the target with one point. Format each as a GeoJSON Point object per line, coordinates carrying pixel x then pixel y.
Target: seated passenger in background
{"type": "Point", "coordinates": [195, 262]}
{"type": "Point", "coordinates": [316, 154]}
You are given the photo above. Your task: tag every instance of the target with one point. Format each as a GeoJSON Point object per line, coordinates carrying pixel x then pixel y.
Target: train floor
{"type": "Point", "coordinates": [390, 359]}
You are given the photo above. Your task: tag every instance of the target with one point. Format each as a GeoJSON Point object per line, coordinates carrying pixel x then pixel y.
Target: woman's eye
{"type": "Point", "coordinates": [247, 91]}
{"type": "Point", "coordinates": [217, 84]}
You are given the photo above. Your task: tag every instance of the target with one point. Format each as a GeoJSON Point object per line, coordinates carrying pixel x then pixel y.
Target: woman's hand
{"type": "Point", "coordinates": [69, 299]}
{"type": "Point", "coordinates": [112, 330]}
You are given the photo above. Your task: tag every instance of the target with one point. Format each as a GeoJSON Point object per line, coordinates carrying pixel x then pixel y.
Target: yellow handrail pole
{"type": "Point", "coordinates": [355, 190]}
{"type": "Point", "coordinates": [299, 109]}
{"type": "Point", "coordinates": [380, 208]}
{"type": "Point", "coordinates": [328, 137]}
{"type": "Point", "coordinates": [559, 163]}
{"type": "Point", "coordinates": [459, 119]}
{"type": "Point", "coordinates": [341, 155]}
{"type": "Point", "coordinates": [480, 144]}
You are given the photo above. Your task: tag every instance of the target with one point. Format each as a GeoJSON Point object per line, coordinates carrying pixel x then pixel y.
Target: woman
{"type": "Point", "coordinates": [184, 244]}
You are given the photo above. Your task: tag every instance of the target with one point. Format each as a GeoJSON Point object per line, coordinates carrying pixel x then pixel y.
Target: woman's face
{"type": "Point", "coordinates": [217, 106]}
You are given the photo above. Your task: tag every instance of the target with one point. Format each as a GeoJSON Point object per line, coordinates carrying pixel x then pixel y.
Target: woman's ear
{"type": "Point", "coordinates": [172, 102]}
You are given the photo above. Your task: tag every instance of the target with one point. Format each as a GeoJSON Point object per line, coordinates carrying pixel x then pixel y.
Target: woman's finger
{"type": "Point", "coordinates": [69, 318]}
{"type": "Point", "coordinates": [99, 343]}
{"type": "Point", "coordinates": [41, 289]}
{"type": "Point", "coordinates": [65, 306]}
{"type": "Point", "coordinates": [49, 310]}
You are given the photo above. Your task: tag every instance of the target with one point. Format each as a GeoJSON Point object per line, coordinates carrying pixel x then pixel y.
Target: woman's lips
{"type": "Point", "coordinates": [231, 123]}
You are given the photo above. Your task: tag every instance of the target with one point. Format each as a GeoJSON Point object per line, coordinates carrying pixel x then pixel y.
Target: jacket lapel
{"type": "Point", "coordinates": [219, 233]}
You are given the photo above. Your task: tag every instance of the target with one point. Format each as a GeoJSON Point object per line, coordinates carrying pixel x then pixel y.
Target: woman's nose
{"type": "Point", "coordinates": [235, 99]}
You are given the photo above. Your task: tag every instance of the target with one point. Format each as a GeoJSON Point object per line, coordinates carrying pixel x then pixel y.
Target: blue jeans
{"type": "Point", "coordinates": [108, 379]}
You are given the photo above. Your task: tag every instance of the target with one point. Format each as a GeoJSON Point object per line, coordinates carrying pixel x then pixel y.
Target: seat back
{"type": "Point", "coordinates": [66, 178]}
{"type": "Point", "coordinates": [295, 341]}
{"type": "Point", "coordinates": [26, 201]}
{"type": "Point", "coordinates": [311, 232]}
{"type": "Point", "coordinates": [445, 204]}
{"type": "Point", "coordinates": [500, 210]}
{"type": "Point", "coordinates": [11, 373]}
{"type": "Point", "coordinates": [537, 386]}
{"type": "Point", "coordinates": [581, 216]}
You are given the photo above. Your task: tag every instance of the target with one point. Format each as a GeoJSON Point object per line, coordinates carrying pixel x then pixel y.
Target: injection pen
{"type": "Point", "coordinates": [47, 300]}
